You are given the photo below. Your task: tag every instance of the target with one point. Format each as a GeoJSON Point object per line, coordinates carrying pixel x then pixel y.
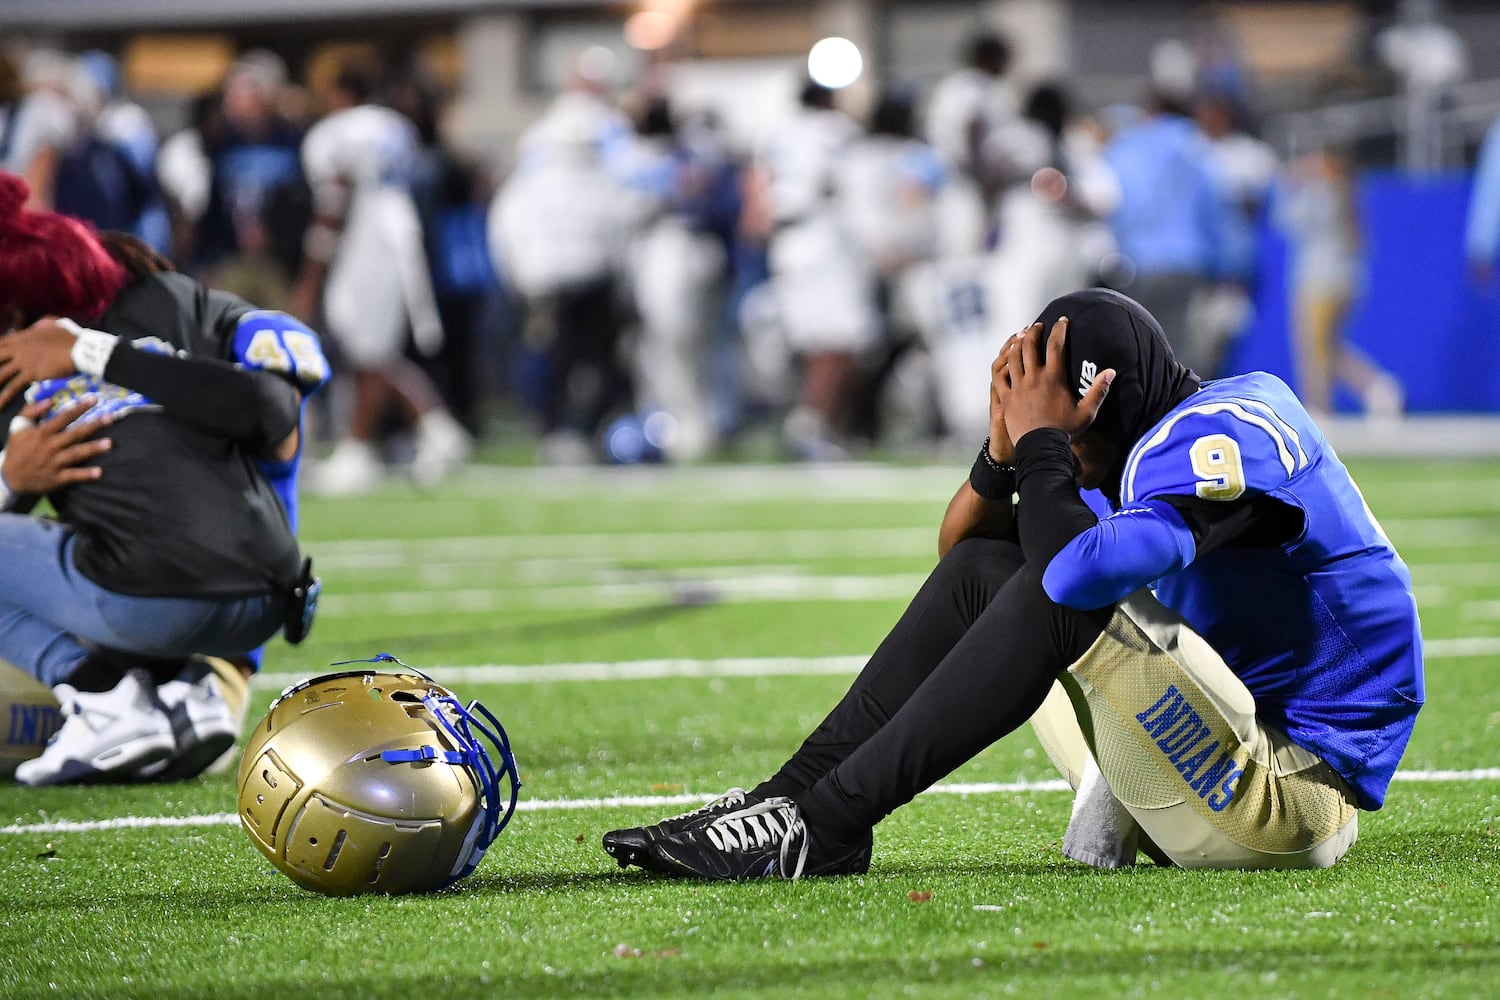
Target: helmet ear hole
{"type": "Point", "coordinates": [368, 781]}
{"type": "Point", "coordinates": [333, 852]}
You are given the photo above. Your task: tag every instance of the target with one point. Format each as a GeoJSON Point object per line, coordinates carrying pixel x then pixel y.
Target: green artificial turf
{"type": "Point", "coordinates": [967, 896]}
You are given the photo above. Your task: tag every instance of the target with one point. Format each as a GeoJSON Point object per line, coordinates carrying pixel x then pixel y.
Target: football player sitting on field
{"type": "Point", "coordinates": [1236, 637]}
{"type": "Point", "coordinates": [122, 406]}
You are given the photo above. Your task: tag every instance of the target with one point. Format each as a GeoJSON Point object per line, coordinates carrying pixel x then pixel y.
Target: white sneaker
{"type": "Point", "coordinates": [206, 703]}
{"type": "Point", "coordinates": [1384, 399]}
{"type": "Point", "coordinates": [565, 448]}
{"type": "Point", "coordinates": [442, 446]}
{"type": "Point", "coordinates": [105, 735]}
{"type": "Point", "coordinates": [806, 437]}
{"type": "Point", "coordinates": [352, 467]}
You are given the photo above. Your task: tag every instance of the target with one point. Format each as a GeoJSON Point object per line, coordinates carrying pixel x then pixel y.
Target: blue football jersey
{"type": "Point", "coordinates": [1322, 629]}
{"type": "Point", "coordinates": [276, 342]}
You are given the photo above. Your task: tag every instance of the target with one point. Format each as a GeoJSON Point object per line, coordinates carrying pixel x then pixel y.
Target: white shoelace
{"type": "Point", "coordinates": [733, 797]}
{"type": "Point", "coordinates": [775, 819]}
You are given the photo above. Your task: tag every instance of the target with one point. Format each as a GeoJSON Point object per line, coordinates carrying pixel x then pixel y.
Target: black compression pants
{"type": "Point", "coordinates": [970, 660]}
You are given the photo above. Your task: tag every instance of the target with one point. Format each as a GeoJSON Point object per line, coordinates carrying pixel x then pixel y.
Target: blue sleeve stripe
{"type": "Point", "coordinates": [1271, 425]}
{"type": "Point", "coordinates": [1287, 430]}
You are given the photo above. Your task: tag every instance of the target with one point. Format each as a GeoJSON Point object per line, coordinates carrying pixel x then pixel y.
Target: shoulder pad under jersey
{"type": "Point", "coordinates": [272, 341]}
{"type": "Point", "coordinates": [1216, 449]}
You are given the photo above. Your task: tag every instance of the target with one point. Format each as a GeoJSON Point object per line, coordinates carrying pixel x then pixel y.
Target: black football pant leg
{"type": "Point", "coordinates": [952, 598]}
{"type": "Point", "coordinates": [971, 660]}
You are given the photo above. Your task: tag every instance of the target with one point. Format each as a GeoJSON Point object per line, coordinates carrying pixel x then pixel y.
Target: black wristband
{"type": "Point", "coordinates": [992, 480]}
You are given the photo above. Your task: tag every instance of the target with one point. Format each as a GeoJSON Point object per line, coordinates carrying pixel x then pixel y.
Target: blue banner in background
{"type": "Point", "coordinates": [1420, 317]}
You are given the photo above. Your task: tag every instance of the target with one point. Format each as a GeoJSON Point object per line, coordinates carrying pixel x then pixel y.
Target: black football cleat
{"type": "Point", "coordinates": [631, 846]}
{"type": "Point", "coordinates": [768, 839]}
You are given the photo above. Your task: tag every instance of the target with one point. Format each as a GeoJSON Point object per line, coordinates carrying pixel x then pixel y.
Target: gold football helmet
{"type": "Point", "coordinates": [376, 781]}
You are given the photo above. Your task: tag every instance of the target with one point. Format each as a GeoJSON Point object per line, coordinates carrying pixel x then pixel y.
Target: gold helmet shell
{"type": "Point", "coordinates": [375, 781]}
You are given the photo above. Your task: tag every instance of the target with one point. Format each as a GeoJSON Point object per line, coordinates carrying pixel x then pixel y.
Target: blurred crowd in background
{"type": "Point", "coordinates": [634, 283]}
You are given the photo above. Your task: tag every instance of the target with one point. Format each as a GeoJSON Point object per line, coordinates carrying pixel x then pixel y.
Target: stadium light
{"type": "Point", "coordinates": [835, 62]}
{"type": "Point", "coordinates": [650, 29]}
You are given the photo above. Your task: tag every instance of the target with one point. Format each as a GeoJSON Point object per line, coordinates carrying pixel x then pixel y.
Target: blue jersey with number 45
{"type": "Point", "coordinates": [276, 342]}
{"type": "Point", "coordinates": [1322, 628]}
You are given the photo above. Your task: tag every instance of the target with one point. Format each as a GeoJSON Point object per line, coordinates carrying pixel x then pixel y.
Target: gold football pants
{"type": "Point", "coordinates": [1175, 734]}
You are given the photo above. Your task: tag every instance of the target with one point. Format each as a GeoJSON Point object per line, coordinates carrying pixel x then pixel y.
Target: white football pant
{"type": "Point", "coordinates": [1175, 735]}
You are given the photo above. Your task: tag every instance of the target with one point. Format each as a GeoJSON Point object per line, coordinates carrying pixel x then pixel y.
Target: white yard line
{"type": "Point", "coordinates": [686, 588]}
{"type": "Point", "coordinates": [377, 553]}
{"type": "Point", "coordinates": [642, 802]}
{"type": "Point", "coordinates": [744, 666]}
{"type": "Point", "coordinates": [624, 670]}
{"type": "Point", "coordinates": [1410, 533]}
{"type": "Point", "coordinates": [1484, 645]}
{"type": "Point", "coordinates": [1451, 575]}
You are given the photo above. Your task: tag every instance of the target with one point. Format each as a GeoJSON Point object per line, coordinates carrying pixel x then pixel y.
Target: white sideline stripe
{"type": "Point", "coordinates": [1484, 645]}
{"type": "Point", "coordinates": [749, 666]}
{"type": "Point", "coordinates": [1478, 774]}
{"type": "Point", "coordinates": [644, 802]}
{"type": "Point", "coordinates": [760, 588]}
{"type": "Point", "coordinates": [625, 670]}
{"type": "Point", "coordinates": [691, 589]}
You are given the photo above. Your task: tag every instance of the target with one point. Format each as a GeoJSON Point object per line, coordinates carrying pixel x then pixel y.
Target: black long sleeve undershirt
{"type": "Point", "coordinates": [255, 408]}
{"type": "Point", "coordinates": [1051, 512]}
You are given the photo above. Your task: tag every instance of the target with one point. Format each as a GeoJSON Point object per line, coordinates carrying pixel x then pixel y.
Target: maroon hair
{"type": "Point", "coordinates": [50, 264]}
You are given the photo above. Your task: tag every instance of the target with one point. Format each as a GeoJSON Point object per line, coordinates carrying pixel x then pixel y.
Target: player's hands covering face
{"type": "Point", "coordinates": [1032, 387]}
{"type": "Point", "coordinates": [1001, 449]}
{"type": "Point", "coordinates": [43, 350]}
{"type": "Point", "coordinates": [54, 453]}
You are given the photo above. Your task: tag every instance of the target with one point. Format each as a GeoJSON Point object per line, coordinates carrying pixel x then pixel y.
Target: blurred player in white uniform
{"type": "Point", "coordinates": [676, 268]}
{"type": "Point", "coordinates": [1052, 238]}
{"type": "Point", "coordinates": [967, 113]}
{"type": "Point", "coordinates": [819, 282]}
{"type": "Point", "coordinates": [39, 122]}
{"type": "Point", "coordinates": [889, 182]}
{"type": "Point", "coordinates": [557, 231]}
{"type": "Point", "coordinates": [364, 254]}
{"type": "Point", "coordinates": [1049, 241]}
{"type": "Point", "coordinates": [890, 187]}
{"type": "Point", "coordinates": [972, 119]}
{"type": "Point", "coordinates": [185, 174]}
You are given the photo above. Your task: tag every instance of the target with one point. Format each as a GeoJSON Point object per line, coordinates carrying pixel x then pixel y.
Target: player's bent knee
{"type": "Point", "coordinates": [984, 552]}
